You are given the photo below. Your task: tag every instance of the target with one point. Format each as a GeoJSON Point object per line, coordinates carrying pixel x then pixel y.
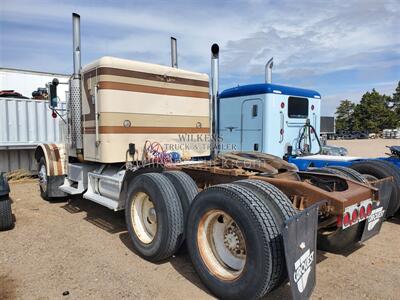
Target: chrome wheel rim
{"type": "Point", "coordinates": [143, 217]}
{"type": "Point", "coordinates": [42, 174]}
{"type": "Point", "coordinates": [222, 245]}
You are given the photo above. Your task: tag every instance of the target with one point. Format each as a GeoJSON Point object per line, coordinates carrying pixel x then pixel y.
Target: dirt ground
{"type": "Point", "coordinates": [82, 248]}
{"type": "Point", "coordinates": [366, 148]}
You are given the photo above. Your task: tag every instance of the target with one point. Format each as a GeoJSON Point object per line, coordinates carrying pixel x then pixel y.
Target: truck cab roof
{"type": "Point", "coordinates": [268, 88]}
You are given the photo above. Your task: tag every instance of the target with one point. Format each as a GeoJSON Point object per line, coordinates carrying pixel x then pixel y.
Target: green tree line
{"type": "Point", "coordinates": [373, 113]}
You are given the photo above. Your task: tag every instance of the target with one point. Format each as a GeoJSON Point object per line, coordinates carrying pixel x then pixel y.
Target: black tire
{"type": "Point", "coordinates": [170, 222]}
{"type": "Point", "coordinates": [281, 208]}
{"type": "Point", "coordinates": [350, 173]}
{"type": "Point", "coordinates": [43, 187]}
{"type": "Point", "coordinates": [186, 188]}
{"type": "Point", "coordinates": [6, 218]}
{"type": "Point", "coordinates": [256, 222]}
{"type": "Point", "coordinates": [335, 239]}
{"type": "Point", "coordinates": [370, 178]}
{"type": "Point", "coordinates": [382, 169]}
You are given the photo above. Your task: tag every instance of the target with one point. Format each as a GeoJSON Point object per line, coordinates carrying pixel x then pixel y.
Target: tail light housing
{"type": "Point", "coordinates": [369, 209]}
{"type": "Point", "coordinates": [362, 212]}
{"type": "Point", "coordinates": [346, 219]}
{"type": "Point", "coordinates": [355, 213]}
{"type": "Point", "coordinates": [354, 216]}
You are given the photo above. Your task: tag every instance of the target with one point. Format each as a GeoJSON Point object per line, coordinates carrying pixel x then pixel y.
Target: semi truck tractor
{"type": "Point", "coordinates": [250, 220]}
{"type": "Point", "coordinates": [285, 121]}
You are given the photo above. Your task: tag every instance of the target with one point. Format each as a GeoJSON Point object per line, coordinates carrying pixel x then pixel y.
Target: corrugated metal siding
{"type": "Point", "coordinates": [18, 159]}
{"type": "Point", "coordinates": [25, 123]}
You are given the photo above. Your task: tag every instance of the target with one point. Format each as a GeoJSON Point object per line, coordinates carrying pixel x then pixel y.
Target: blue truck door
{"type": "Point", "coordinates": [252, 123]}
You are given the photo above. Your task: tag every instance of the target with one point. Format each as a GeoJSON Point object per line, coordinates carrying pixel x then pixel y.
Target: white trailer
{"type": "Point", "coordinates": [27, 81]}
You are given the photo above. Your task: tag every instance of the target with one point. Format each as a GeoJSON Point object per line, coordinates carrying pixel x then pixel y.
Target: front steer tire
{"type": "Point", "coordinates": [43, 179]}
{"type": "Point", "coordinates": [49, 185]}
{"type": "Point", "coordinates": [169, 217]}
{"type": "Point", "coordinates": [264, 251]}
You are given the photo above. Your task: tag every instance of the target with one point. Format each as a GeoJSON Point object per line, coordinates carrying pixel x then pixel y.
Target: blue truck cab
{"type": "Point", "coordinates": [266, 117]}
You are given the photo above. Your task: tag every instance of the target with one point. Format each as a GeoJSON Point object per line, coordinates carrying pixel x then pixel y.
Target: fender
{"type": "Point", "coordinates": [55, 156]}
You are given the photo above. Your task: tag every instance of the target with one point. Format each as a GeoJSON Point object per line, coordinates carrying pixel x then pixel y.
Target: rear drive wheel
{"type": "Point", "coordinates": [382, 169]}
{"type": "Point", "coordinates": [370, 178]}
{"type": "Point", "coordinates": [350, 173]}
{"type": "Point", "coordinates": [232, 242]}
{"type": "Point", "coordinates": [154, 217]}
{"type": "Point", "coordinates": [336, 239]}
{"type": "Point", "coordinates": [281, 208]}
{"type": "Point", "coordinates": [185, 187]}
{"type": "Point", "coordinates": [6, 219]}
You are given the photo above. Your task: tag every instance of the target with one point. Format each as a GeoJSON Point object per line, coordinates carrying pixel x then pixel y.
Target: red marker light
{"type": "Point", "coordinates": [346, 219]}
{"type": "Point", "coordinates": [53, 114]}
{"type": "Point", "coordinates": [362, 212]}
{"type": "Point", "coordinates": [354, 216]}
{"type": "Point", "coordinates": [369, 209]}
{"type": "Point", "coordinates": [283, 105]}
{"type": "Point", "coordinates": [339, 221]}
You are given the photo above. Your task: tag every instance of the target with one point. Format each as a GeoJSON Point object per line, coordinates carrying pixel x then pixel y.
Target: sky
{"type": "Point", "coordinates": [339, 48]}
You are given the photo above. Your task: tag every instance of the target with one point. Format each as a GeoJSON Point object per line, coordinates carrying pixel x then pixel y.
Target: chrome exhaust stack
{"type": "Point", "coordinates": [214, 97]}
{"type": "Point", "coordinates": [174, 53]}
{"type": "Point", "coordinates": [268, 70]}
{"type": "Point", "coordinates": [76, 42]}
{"type": "Point", "coordinates": [75, 99]}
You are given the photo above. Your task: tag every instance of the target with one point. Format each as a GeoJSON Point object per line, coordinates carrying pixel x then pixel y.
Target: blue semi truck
{"type": "Point", "coordinates": [285, 121]}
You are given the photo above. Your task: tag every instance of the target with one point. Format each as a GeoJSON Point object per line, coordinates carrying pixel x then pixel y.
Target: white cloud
{"type": "Point", "coordinates": [310, 40]}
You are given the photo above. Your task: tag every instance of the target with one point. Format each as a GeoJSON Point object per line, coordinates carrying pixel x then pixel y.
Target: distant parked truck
{"type": "Point", "coordinates": [328, 127]}
{"type": "Point", "coordinates": [27, 82]}
{"type": "Point", "coordinates": [391, 133]}
{"type": "Point", "coordinates": [24, 124]}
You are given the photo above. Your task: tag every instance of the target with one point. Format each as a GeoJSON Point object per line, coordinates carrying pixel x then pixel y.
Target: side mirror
{"type": "Point", "coordinates": [53, 93]}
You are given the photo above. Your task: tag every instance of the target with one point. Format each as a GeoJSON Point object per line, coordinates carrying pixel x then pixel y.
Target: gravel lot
{"type": "Point", "coordinates": [366, 148]}
{"type": "Point", "coordinates": [83, 248]}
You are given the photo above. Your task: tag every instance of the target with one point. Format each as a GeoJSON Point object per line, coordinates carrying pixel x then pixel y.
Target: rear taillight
{"type": "Point", "coordinates": [354, 216]}
{"type": "Point", "coordinates": [369, 209]}
{"type": "Point", "coordinates": [362, 212]}
{"type": "Point", "coordinates": [339, 221]}
{"type": "Point", "coordinates": [346, 219]}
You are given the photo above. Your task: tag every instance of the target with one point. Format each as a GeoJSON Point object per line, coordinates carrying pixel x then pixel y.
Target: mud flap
{"type": "Point", "coordinates": [300, 242]}
{"type": "Point", "coordinates": [374, 222]}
